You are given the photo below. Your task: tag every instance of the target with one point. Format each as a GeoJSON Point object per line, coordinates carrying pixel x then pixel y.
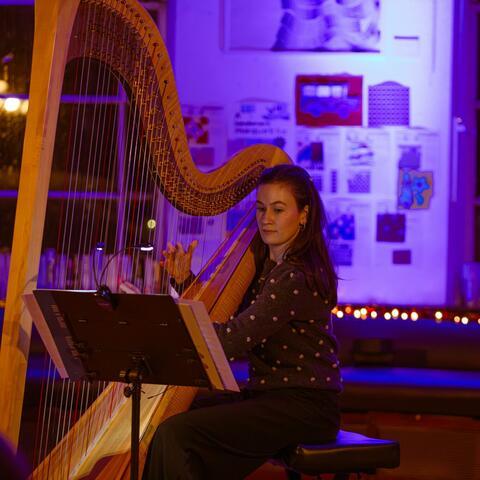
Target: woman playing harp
{"type": "Point", "coordinates": [284, 326]}
{"type": "Point", "coordinates": [97, 49]}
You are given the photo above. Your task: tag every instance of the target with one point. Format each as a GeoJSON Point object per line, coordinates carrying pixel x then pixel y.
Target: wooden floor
{"type": "Point", "coordinates": [432, 447]}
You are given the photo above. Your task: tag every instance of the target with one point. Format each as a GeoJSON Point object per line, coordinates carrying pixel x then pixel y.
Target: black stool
{"type": "Point", "coordinates": [350, 453]}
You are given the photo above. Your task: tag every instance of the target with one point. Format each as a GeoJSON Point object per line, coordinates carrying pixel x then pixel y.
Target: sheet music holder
{"type": "Point", "coordinates": [138, 338]}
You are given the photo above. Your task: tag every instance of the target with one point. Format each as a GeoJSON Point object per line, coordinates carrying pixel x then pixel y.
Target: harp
{"type": "Point", "coordinates": [117, 40]}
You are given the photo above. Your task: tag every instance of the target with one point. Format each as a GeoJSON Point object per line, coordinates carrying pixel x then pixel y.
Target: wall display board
{"type": "Point", "coordinates": [369, 121]}
{"type": "Point", "coordinates": [377, 186]}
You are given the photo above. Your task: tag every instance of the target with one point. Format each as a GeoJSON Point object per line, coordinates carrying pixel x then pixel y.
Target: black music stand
{"type": "Point", "coordinates": [133, 338]}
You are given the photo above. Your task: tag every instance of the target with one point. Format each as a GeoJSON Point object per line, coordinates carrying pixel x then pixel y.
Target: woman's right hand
{"type": "Point", "coordinates": [178, 261]}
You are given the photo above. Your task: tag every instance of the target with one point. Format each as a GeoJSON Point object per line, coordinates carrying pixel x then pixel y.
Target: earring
{"type": "Point", "coordinates": [302, 226]}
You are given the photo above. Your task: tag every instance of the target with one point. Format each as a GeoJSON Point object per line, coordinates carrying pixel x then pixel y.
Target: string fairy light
{"type": "Point", "coordinates": [388, 312]}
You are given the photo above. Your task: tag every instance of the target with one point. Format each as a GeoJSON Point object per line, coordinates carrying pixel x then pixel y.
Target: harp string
{"type": "Point", "coordinates": [152, 94]}
{"type": "Point", "coordinates": [42, 414]}
{"type": "Point", "coordinates": [97, 143]}
{"type": "Point", "coordinates": [71, 410]}
{"type": "Point", "coordinates": [78, 136]}
{"type": "Point", "coordinates": [138, 195]}
{"type": "Point", "coordinates": [91, 163]}
{"type": "Point", "coordinates": [78, 208]}
{"type": "Point", "coordinates": [63, 421]}
{"type": "Point", "coordinates": [129, 161]}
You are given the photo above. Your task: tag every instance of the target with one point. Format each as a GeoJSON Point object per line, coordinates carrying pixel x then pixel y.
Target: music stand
{"type": "Point", "coordinates": [129, 338]}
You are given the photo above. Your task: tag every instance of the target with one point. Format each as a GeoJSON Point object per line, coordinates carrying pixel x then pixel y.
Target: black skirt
{"type": "Point", "coordinates": [231, 435]}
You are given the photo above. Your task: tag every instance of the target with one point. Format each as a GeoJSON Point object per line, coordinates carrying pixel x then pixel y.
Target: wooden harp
{"type": "Point", "coordinates": [120, 36]}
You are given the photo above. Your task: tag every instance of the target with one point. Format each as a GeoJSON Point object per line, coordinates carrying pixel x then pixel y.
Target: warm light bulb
{"type": "Point", "coordinates": [24, 107]}
{"type": "Point", "coordinates": [151, 224]}
{"type": "Point", "coordinates": [363, 311]}
{"type": "Point", "coordinates": [387, 315]}
{"type": "Point", "coordinates": [465, 320]}
{"type": "Point", "coordinates": [414, 316]}
{"type": "Point", "coordinates": [356, 314]}
{"type": "Point", "coordinates": [348, 309]}
{"type": "Point", "coordinates": [438, 315]}
{"type": "Point", "coordinates": [340, 314]}
{"type": "Point", "coordinates": [456, 319]}
{"type": "Point", "coordinates": [373, 314]}
{"type": "Point", "coordinates": [404, 316]}
{"type": "Point", "coordinates": [395, 313]}
{"type": "Point", "coordinates": [11, 104]}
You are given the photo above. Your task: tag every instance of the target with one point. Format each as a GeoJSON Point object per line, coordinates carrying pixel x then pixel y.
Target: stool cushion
{"type": "Point", "coordinates": [349, 453]}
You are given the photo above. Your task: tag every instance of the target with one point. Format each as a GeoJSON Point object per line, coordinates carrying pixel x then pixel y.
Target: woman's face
{"type": "Point", "coordinates": [278, 217]}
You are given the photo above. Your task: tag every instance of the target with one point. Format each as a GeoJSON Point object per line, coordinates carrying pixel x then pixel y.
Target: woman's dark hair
{"type": "Point", "coordinates": [309, 250]}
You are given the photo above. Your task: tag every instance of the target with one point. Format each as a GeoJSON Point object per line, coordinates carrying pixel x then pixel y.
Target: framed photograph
{"type": "Point", "coordinates": [300, 25]}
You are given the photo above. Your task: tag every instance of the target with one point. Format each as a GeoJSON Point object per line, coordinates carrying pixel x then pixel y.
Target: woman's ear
{"type": "Point", "coordinates": [304, 215]}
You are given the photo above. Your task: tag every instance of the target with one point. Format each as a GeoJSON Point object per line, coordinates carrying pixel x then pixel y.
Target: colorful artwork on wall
{"type": "Point", "coordinates": [410, 156]}
{"type": "Point", "coordinates": [360, 151]}
{"type": "Point", "coordinates": [311, 156]}
{"type": "Point", "coordinates": [415, 189]}
{"type": "Point", "coordinates": [359, 181]}
{"type": "Point", "coordinates": [322, 100]}
{"type": "Point", "coordinates": [388, 104]}
{"type": "Point", "coordinates": [342, 254]}
{"type": "Point", "coordinates": [391, 227]}
{"type": "Point", "coordinates": [196, 129]}
{"type": "Point", "coordinates": [258, 121]}
{"type": "Point", "coordinates": [300, 25]}
{"type": "Point", "coordinates": [342, 227]}
{"type": "Point", "coordinates": [205, 129]}
{"type": "Point", "coordinates": [402, 257]}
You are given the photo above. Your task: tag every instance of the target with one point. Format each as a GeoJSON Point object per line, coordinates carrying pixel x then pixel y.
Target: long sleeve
{"type": "Point", "coordinates": [285, 329]}
{"type": "Point", "coordinates": [280, 300]}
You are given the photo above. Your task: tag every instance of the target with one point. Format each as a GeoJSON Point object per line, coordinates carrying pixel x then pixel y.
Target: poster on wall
{"type": "Point", "coordinates": [258, 121]}
{"type": "Point", "coordinates": [388, 104]}
{"type": "Point", "coordinates": [415, 189]}
{"type": "Point", "coordinates": [348, 232]}
{"type": "Point", "coordinates": [206, 131]}
{"type": "Point", "coordinates": [417, 154]}
{"type": "Point", "coordinates": [367, 164]}
{"type": "Point", "coordinates": [348, 160]}
{"type": "Point", "coordinates": [318, 150]}
{"type": "Point", "coordinates": [255, 121]}
{"type": "Point", "coordinates": [323, 100]}
{"type": "Point", "coordinates": [299, 25]}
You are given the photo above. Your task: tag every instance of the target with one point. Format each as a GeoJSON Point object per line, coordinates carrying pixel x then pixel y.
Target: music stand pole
{"type": "Point", "coordinates": [134, 377]}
